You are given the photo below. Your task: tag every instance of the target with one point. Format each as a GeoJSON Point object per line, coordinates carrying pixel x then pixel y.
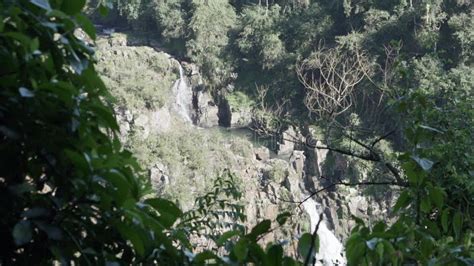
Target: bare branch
{"type": "Point", "coordinates": [330, 77]}
{"type": "Point", "coordinates": [313, 239]}
{"type": "Point", "coordinates": [263, 117]}
{"type": "Point", "coordinates": [340, 182]}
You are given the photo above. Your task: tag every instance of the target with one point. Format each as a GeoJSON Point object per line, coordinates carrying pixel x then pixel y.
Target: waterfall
{"type": "Point", "coordinates": [331, 249]}
{"type": "Point", "coordinates": [183, 97]}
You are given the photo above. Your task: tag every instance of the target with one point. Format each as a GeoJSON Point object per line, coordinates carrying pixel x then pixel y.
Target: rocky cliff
{"type": "Point", "coordinates": [172, 124]}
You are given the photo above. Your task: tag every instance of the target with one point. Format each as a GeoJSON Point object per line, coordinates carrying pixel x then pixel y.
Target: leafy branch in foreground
{"type": "Point", "coordinates": [70, 193]}
{"type": "Point", "coordinates": [435, 224]}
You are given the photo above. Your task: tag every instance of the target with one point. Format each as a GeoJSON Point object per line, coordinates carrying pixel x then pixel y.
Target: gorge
{"type": "Point", "coordinates": [273, 172]}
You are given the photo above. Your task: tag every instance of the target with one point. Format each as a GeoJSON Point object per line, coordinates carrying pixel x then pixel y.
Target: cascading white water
{"type": "Point", "coordinates": [183, 97]}
{"type": "Point", "coordinates": [331, 249]}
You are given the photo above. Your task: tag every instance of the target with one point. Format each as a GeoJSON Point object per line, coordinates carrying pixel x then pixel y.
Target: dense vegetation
{"type": "Point", "coordinates": [363, 72]}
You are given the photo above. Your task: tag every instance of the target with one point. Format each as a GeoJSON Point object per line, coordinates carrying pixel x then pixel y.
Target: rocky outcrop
{"type": "Point", "coordinates": [159, 176]}
{"type": "Point", "coordinates": [206, 110]}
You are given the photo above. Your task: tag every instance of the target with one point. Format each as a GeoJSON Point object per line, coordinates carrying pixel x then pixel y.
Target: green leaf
{"type": "Point", "coordinates": [425, 204]}
{"type": "Point", "coordinates": [457, 224]}
{"type": "Point", "coordinates": [86, 25]}
{"type": "Point", "coordinates": [403, 201]}
{"type": "Point", "coordinates": [445, 220]}
{"type": "Point", "coordinates": [380, 250]}
{"type": "Point", "coordinates": [274, 255]}
{"type": "Point", "coordinates": [22, 233]}
{"type": "Point", "coordinates": [388, 248]}
{"type": "Point", "coordinates": [73, 7]}
{"type": "Point", "coordinates": [304, 245]}
{"type": "Point", "coordinates": [379, 227]}
{"type": "Point", "coordinates": [282, 217]}
{"type": "Point", "coordinates": [226, 236]}
{"type": "Point", "coordinates": [103, 10]}
{"type": "Point", "coordinates": [44, 4]}
{"type": "Point", "coordinates": [437, 196]}
{"type": "Point", "coordinates": [355, 249]}
{"type": "Point", "coordinates": [132, 235]}
{"type": "Point", "coordinates": [121, 187]}
{"type": "Point", "coordinates": [432, 227]}
{"type": "Point", "coordinates": [288, 261]}
{"type": "Point", "coordinates": [261, 228]}
{"type": "Point", "coordinates": [79, 160]}
{"type": "Point", "coordinates": [426, 247]}
{"type": "Point", "coordinates": [168, 211]}
{"type": "Point", "coordinates": [202, 257]}
{"type": "Point", "coordinates": [104, 115]}
{"type": "Point", "coordinates": [424, 163]}
{"type": "Point", "coordinates": [240, 250]}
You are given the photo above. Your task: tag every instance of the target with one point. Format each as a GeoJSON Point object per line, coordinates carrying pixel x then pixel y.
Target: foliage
{"type": "Point", "coordinates": [171, 19]}
{"type": "Point", "coordinates": [258, 39]}
{"type": "Point", "coordinates": [435, 224]}
{"type": "Point", "coordinates": [209, 26]}
{"type": "Point", "coordinates": [239, 101]}
{"type": "Point", "coordinates": [141, 82]}
{"type": "Point", "coordinates": [69, 192]}
{"type": "Point", "coordinates": [190, 157]}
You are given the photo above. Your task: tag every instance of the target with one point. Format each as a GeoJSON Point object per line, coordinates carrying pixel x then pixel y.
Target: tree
{"type": "Point", "coordinates": [259, 40]}
{"type": "Point", "coordinates": [209, 27]}
{"type": "Point", "coordinates": [435, 222]}
{"type": "Point", "coordinates": [171, 19]}
{"type": "Point", "coordinates": [330, 77]}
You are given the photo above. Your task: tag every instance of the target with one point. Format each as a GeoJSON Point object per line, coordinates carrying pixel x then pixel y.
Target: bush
{"type": "Point", "coordinates": [69, 191]}
{"type": "Point", "coordinates": [138, 77]}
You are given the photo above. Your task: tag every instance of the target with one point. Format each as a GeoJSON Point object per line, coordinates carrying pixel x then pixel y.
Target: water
{"type": "Point", "coordinates": [183, 97]}
{"type": "Point", "coordinates": [330, 248]}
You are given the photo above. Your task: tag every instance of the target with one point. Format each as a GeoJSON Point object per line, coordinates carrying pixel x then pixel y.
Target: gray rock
{"type": "Point", "coordinates": [241, 118]}
{"type": "Point", "coordinates": [262, 154]}
{"type": "Point", "coordinates": [159, 176]}
{"type": "Point", "coordinates": [297, 161]}
{"type": "Point", "coordinates": [207, 111]}
{"type": "Point", "coordinates": [287, 144]}
{"type": "Point", "coordinates": [161, 121]}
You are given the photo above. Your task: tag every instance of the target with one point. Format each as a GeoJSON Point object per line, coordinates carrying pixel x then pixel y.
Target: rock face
{"type": "Point", "coordinates": [206, 110]}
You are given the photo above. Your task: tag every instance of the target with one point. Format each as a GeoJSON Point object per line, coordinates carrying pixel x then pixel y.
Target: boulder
{"type": "Point", "coordinates": [241, 118]}
{"type": "Point", "coordinates": [206, 110]}
{"type": "Point", "coordinates": [159, 176]}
